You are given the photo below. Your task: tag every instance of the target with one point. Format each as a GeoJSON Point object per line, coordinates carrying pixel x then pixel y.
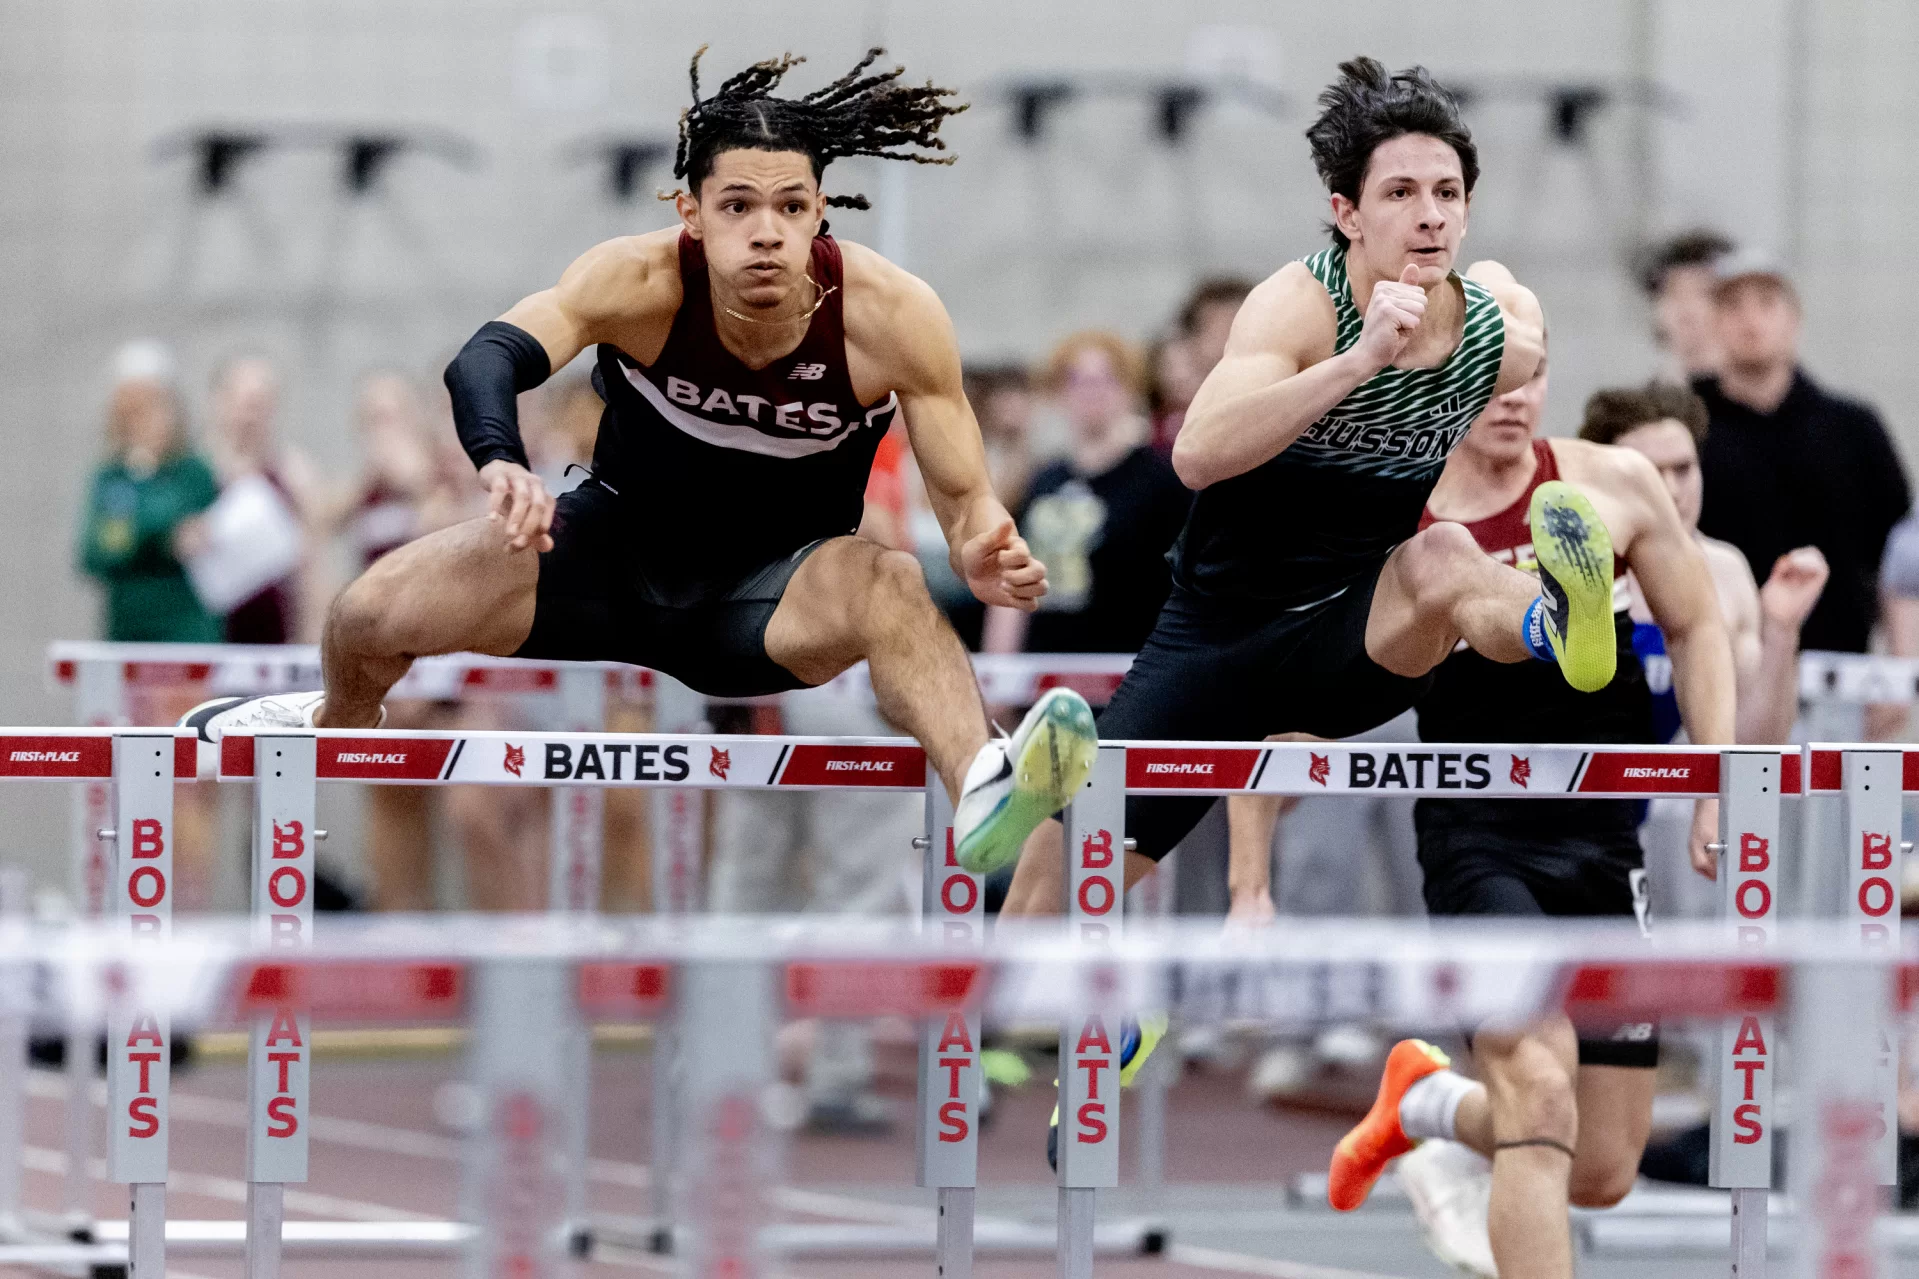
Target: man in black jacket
{"type": "Point", "coordinates": [1787, 463]}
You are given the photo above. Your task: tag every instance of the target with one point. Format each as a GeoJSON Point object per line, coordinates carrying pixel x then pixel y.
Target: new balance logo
{"type": "Point", "coordinates": [806, 373]}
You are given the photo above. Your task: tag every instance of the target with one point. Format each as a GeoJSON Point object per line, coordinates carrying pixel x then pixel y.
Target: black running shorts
{"type": "Point", "coordinates": [1219, 670]}
{"type": "Point", "coordinates": [593, 604]}
{"type": "Point", "coordinates": [1477, 863]}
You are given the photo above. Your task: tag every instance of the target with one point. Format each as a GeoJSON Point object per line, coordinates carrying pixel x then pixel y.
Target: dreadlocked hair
{"type": "Point", "coordinates": [857, 114]}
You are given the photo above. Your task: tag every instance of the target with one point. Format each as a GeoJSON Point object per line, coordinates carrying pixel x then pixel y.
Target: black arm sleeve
{"type": "Point", "coordinates": [495, 365]}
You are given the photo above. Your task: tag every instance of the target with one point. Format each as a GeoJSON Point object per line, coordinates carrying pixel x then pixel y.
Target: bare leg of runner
{"type": "Point", "coordinates": [457, 590]}
{"type": "Point", "coordinates": [1438, 588]}
{"type": "Point", "coordinates": [1528, 1097]}
{"type": "Point", "coordinates": [852, 599]}
{"type": "Point", "coordinates": [1612, 1108]}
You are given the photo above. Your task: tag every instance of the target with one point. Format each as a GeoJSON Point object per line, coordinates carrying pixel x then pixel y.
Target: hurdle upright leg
{"type": "Point", "coordinates": [100, 694]}
{"type": "Point", "coordinates": [1837, 1006]}
{"type": "Point", "coordinates": [15, 1010]}
{"type": "Point", "coordinates": [139, 1036]}
{"type": "Point", "coordinates": [678, 824]}
{"type": "Point", "coordinates": [279, 1046]}
{"type": "Point", "coordinates": [516, 1060]}
{"type": "Point", "coordinates": [1874, 811]}
{"type": "Point", "coordinates": [729, 1020]}
{"type": "Point", "coordinates": [1743, 1115]}
{"type": "Point", "coordinates": [577, 836]}
{"type": "Point", "coordinates": [946, 1132]}
{"type": "Point", "coordinates": [1090, 1038]}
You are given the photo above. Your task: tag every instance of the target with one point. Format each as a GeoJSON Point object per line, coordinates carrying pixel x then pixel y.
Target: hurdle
{"type": "Point", "coordinates": [513, 980]}
{"type": "Point", "coordinates": [1224, 768]}
{"type": "Point", "coordinates": [1095, 824]}
{"type": "Point", "coordinates": [102, 677]}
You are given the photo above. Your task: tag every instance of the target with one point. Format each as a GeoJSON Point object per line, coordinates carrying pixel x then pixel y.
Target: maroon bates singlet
{"type": "Point", "coordinates": [723, 469]}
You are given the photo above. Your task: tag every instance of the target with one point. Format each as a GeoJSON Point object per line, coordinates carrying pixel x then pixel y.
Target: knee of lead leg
{"type": "Point", "coordinates": [354, 621]}
{"type": "Point", "coordinates": [1433, 556]}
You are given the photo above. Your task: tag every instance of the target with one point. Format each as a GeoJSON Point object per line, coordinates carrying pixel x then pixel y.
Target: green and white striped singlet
{"type": "Point", "coordinates": [1300, 528]}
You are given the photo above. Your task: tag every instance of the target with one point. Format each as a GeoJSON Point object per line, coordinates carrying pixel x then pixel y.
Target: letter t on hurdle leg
{"type": "Point", "coordinates": [280, 1043]}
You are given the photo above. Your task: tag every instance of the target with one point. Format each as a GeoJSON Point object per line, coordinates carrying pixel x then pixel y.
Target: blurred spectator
{"type": "Point", "coordinates": [1899, 622]}
{"type": "Point", "coordinates": [1101, 518]}
{"type": "Point", "coordinates": [1667, 423]}
{"type": "Point", "coordinates": [1678, 277]}
{"type": "Point", "coordinates": [145, 497]}
{"type": "Point", "coordinates": [246, 445]}
{"type": "Point", "coordinates": [148, 486]}
{"type": "Point", "coordinates": [1003, 402]}
{"type": "Point", "coordinates": [1180, 363]}
{"type": "Point", "coordinates": [1787, 464]}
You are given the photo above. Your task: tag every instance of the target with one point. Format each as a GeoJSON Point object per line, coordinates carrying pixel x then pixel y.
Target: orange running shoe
{"type": "Point", "coordinates": [1363, 1153]}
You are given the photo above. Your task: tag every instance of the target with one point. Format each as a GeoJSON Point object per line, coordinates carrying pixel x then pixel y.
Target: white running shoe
{"type": "Point", "coordinates": [1018, 782]}
{"type": "Point", "coordinates": [212, 718]}
{"type": "Point", "coordinates": [1451, 1186]}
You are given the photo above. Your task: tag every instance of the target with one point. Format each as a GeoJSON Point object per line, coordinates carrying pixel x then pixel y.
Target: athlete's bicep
{"type": "Point", "coordinates": [919, 344]}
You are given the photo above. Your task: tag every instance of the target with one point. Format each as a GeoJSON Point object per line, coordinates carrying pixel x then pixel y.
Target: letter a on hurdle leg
{"type": "Point", "coordinates": [139, 1036]}
{"type": "Point", "coordinates": [279, 1049]}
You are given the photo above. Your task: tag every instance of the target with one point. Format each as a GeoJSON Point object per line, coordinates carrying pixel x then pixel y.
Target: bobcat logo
{"type": "Point", "coordinates": [515, 759]}
{"type": "Point", "coordinates": [807, 373]}
{"type": "Point", "coordinates": [1322, 767]}
{"type": "Point", "coordinates": [1522, 771]}
{"type": "Point", "coordinates": [721, 761]}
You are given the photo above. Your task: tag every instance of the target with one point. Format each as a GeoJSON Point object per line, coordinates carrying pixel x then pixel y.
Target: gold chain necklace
{"type": "Point", "coordinates": [818, 302]}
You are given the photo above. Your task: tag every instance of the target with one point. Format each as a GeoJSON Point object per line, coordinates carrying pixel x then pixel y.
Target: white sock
{"type": "Point", "coordinates": [1428, 1108]}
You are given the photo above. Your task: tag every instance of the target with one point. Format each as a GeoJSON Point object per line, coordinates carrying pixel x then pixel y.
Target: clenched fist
{"type": "Point", "coordinates": [1000, 569]}
{"type": "Point", "coordinates": [1393, 313]}
{"type": "Point", "coordinates": [517, 500]}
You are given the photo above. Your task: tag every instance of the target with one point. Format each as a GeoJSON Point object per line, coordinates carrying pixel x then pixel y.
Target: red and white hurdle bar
{"type": "Point", "coordinates": [288, 767]}
{"type": "Point", "coordinates": [733, 979]}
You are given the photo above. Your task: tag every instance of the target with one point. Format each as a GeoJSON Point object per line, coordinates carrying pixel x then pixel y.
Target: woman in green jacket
{"type": "Point", "coordinates": [149, 485]}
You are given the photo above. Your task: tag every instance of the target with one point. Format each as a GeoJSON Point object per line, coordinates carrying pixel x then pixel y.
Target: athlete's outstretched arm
{"type": "Point", "coordinates": [1678, 587]}
{"type": "Point", "coordinates": [910, 332]}
{"type": "Point", "coordinates": [1280, 375]}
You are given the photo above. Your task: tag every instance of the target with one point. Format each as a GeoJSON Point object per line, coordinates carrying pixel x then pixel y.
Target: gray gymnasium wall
{"type": "Point", "coordinates": [1099, 224]}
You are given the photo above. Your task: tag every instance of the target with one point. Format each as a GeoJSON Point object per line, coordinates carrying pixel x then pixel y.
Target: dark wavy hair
{"type": "Point", "coordinates": [1615, 412]}
{"type": "Point", "coordinates": [1367, 107]}
{"type": "Point", "coordinates": [857, 114]}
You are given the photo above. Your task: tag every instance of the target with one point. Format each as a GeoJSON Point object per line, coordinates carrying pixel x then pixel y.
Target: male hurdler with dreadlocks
{"type": "Point", "coordinates": [750, 364]}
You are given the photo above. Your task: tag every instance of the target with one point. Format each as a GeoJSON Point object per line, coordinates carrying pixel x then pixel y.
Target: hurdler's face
{"type": "Point", "coordinates": [756, 216]}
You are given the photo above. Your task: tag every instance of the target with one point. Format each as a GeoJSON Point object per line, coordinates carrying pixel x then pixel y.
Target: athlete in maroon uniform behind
{"type": "Point", "coordinates": [1562, 1113]}
{"type": "Point", "coordinates": [750, 365]}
